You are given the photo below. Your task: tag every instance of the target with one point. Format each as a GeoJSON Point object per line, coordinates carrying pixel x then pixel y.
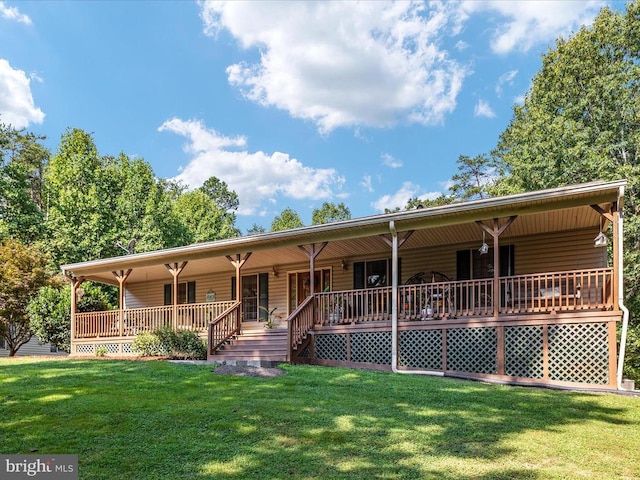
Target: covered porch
{"type": "Point", "coordinates": [428, 270]}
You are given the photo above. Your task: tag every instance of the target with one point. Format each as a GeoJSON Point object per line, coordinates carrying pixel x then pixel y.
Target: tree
{"type": "Point", "coordinates": [50, 310]}
{"type": "Point", "coordinates": [218, 191]}
{"type": "Point", "coordinates": [22, 274]}
{"type": "Point", "coordinates": [81, 223]}
{"type": "Point", "coordinates": [473, 177]}
{"type": "Point", "coordinates": [330, 212]}
{"type": "Point", "coordinates": [256, 229]}
{"type": "Point", "coordinates": [22, 159]}
{"type": "Point", "coordinates": [287, 220]}
{"type": "Point", "coordinates": [580, 122]}
{"type": "Point", "coordinates": [203, 218]}
{"type": "Point", "coordinates": [416, 202]}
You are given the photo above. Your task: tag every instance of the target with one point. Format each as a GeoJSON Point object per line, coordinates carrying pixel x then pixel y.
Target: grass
{"type": "Point", "coordinates": [159, 420]}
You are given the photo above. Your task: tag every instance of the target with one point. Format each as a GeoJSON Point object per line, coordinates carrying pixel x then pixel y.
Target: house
{"type": "Point", "coordinates": [515, 289]}
{"type": "Point", "coordinates": [33, 347]}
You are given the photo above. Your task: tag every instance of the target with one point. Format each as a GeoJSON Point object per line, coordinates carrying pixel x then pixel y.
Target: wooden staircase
{"type": "Point", "coordinates": [256, 345]}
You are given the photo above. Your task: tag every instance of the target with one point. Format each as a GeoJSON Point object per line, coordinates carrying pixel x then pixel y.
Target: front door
{"type": "Point", "coordinates": [300, 286]}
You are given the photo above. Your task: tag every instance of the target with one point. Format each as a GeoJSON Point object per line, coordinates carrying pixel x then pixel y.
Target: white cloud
{"type": "Point", "coordinates": [390, 161]}
{"type": "Point", "coordinates": [483, 109]}
{"type": "Point", "coordinates": [528, 23]}
{"type": "Point", "coordinates": [255, 176]}
{"type": "Point", "coordinates": [12, 13]}
{"type": "Point", "coordinates": [401, 197]}
{"type": "Point", "coordinates": [16, 102]}
{"type": "Point", "coordinates": [505, 79]}
{"type": "Point", "coordinates": [366, 183]}
{"type": "Point", "coordinates": [347, 63]}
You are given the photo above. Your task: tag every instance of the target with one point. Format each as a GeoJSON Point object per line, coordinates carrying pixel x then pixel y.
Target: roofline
{"type": "Point", "coordinates": [372, 225]}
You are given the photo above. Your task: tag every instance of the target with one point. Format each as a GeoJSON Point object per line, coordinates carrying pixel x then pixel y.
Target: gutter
{"type": "Point", "coordinates": [394, 310]}
{"type": "Point", "coordinates": [625, 310]}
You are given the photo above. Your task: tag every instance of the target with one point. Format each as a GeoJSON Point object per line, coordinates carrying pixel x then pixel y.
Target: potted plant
{"type": "Point", "coordinates": [272, 317]}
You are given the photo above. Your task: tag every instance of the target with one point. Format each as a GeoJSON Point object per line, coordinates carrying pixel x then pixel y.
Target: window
{"type": "Point", "coordinates": [373, 273]}
{"type": "Point", "coordinates": [53, 349]}
{"type": "Point", "coordinates": [186, 293]}
{"type": "Point", "coordinates": [471, 265]}
{"type": "Point", "coordinates": [2, 343]}
{"type": "Point", "coordinates": [255, 296]}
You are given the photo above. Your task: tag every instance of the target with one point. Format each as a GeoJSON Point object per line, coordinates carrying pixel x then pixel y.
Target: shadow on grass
{"type": "Point", "coordinates": [160, 420]}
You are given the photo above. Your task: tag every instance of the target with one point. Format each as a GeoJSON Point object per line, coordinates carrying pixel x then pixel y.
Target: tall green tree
{"type": "Point", "coordinates": [256, 229]}
{"type": "Point", "coordinates": [22, 160]}
{"type": "Point", "coordinates": [287, 220]}
{"type": "Point", "coordinates": [203, 218]}
{"type": "Point", "coordinates": [218, 191]}
{"type": "Point", "coordinates": [473, 178]}
{"type": "Point", "coordinates": [81, 223]}
{"type": "Point", "coordinates": [22, 274]}
{"type": "Point", "coordinates": [330, 212]}
{"type": "Point", "coordinates": [581, 121]}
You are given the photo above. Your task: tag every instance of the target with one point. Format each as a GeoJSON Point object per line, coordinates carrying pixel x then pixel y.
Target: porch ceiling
{"type": "Point", "coordinates": [538, 212]}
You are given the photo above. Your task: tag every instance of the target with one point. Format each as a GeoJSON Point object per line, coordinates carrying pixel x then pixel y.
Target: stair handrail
{"type": "Point", "coordinates": [224, 327]}
{"type": "Point", "coordinates": [299, 323]}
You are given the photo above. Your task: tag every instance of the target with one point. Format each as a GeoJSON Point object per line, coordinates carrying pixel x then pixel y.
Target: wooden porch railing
{"type": "Point", "coordinates": [224, 327]}
{"type": "Point", "coordinates": [571, 290]}
{"type": "Point", "coordinates": [193, 316]}
{"type": "Point", "coordinates": [141, 320]}
{"type": "Point", "coordinates": [536, 293]}
{"type": "Point", "coordinates": [300, 322]}
{"type": "Point", "coordinates": [97, 324]}
{"type": "Point", "coordinates": [197, 316]}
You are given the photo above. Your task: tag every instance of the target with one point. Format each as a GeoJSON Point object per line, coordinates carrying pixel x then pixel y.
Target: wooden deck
{"type": "Point", "coordinates": [556, 328]}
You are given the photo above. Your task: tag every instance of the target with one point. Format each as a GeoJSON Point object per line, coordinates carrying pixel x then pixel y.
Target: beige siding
{"type": "Point", "coordinates": [544, 253]}
{"type": "Point", "coordinates": [33, 347]}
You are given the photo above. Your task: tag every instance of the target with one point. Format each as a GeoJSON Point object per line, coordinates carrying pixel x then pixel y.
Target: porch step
{"type": "Point", "coordinates": [255, 344]}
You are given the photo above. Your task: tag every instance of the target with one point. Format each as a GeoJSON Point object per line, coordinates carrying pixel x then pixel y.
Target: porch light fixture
{"type": "Point", "coordinates": [484, 248]}
{"type": "Point", "coordinates": [343, 264]}
{"type": "Point", "coordinates": [601, 238]}
{"type": "Point", "coordinates": [274, 269]}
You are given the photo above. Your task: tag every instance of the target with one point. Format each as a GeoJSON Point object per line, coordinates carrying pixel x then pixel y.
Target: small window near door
{"type": "Point", "coordinates": [186, 293]}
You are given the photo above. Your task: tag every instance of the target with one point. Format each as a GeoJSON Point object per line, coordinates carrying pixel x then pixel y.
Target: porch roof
{"type": "Point", "coordinates": [564, 208]}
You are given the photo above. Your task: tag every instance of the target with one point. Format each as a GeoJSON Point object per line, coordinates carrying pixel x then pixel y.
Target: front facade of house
{"type": "Point", "coordinates": [509, 289]}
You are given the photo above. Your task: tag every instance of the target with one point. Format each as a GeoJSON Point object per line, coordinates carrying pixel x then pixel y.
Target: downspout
{"type": "Point", "coordinates": [625, 310]}
{"type": "Point", "coordinates": [394, 309]}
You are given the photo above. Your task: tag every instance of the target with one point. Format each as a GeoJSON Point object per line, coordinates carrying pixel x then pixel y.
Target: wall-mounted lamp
{"type": "Point", "coordinates": [601, 238]}
{"type": "Point", "coordinates": [343, 264]}
{"type": "Point", "coordinates": [274, 269]}
{"type": "Point", "coordinates": [484, 248]}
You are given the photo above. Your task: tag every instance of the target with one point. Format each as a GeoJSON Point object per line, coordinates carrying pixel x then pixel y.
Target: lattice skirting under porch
{"type": "Point", "coordinates": [116, 348]}
{"type": "Point", "coordinates": [554, 353]}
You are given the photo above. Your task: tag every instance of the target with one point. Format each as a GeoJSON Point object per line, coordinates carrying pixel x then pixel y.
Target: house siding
{"type": "Point", "coordinates": [33, 347]}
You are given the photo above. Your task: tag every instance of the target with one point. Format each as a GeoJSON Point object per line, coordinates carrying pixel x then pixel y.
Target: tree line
{"type": "Point", "coordinates": [580, 121]}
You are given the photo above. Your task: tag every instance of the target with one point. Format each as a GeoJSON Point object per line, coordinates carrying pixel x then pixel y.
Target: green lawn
{"type": "Point", "coordinates": [152, 420]}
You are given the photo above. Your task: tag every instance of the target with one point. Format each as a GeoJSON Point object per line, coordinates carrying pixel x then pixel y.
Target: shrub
{"type": "Point", "coordinates": [164, 341]}
{"type": "Point", "coordinates": [101, 351]}
{"type": "Point", "coordinates": [146, 344]}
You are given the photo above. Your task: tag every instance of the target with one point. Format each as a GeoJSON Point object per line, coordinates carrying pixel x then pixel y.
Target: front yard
{"type": "Point", "coordinates": [160, 420]}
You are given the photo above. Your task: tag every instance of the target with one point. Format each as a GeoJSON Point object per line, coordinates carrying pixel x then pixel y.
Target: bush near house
{"type": "Point", "coordinates": [166, 342]}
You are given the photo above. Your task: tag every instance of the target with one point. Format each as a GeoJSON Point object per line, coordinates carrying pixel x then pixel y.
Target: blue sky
{"type": "Point", "coordinates": [291, 104]}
